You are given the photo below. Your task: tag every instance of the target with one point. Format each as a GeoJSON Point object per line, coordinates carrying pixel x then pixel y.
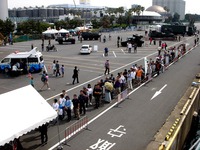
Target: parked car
{"type": "Point", "coordinates": [86, 49]}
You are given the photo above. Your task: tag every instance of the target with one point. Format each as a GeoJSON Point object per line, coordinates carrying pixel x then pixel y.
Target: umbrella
{"type": "Point", "coordinates": [108, 86]}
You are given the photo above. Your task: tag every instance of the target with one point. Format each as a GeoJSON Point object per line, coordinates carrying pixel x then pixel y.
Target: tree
{"type": "Point", "coordinates": [105, 22]}
{"type": "Point", "coordinates": [6, 27]}
{"type": "Point", "coordinates": [176, 17]}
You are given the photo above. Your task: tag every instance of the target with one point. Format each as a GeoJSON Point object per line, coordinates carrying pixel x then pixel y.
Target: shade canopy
{"type": "Point", "coordinates": [50, 31]}
{"type": "Point", "coordinates": [23, 110]}
{"type": "Point", "coordinates": [63, 31]}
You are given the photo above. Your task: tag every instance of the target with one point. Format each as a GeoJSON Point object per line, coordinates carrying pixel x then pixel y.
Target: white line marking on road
{"type": "Point", "coordinates": [123, 51]}
{"type": "Point", "coordinates": [158, 92]}
{"type": "Point", "coordinates": [114, 54]}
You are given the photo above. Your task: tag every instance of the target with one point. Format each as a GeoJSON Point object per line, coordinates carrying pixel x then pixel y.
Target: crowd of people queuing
{"type": "Point", "coordinates": [127, 79]}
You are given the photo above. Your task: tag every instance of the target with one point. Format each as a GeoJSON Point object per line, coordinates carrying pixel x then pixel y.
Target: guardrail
{"type": "Point", "coordinates": [75, 128]}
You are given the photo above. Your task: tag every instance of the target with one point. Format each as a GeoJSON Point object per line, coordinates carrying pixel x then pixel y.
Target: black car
{"type": "Point", "coordinates": [135, 39]}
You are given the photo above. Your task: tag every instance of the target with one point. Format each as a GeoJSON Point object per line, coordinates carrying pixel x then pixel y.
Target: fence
{"type": "Point", "coordinates": [75, 128]}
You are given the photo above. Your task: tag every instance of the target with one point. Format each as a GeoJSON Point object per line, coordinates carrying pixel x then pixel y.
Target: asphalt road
{"type": "Point", "coordinates": [91, 70]}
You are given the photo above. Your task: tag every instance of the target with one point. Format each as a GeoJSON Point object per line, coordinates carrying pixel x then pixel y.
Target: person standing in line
{"type": "Point", "coordinates": [62, 70]}
{"type": "Point", "coordinates": [139, 75]}
{"type": "Point", "coordinates": [75, 75]}
{"type": "Point", "coordinates": [97, 94]}
{"type": "Point", "coordinates": [31, 46]}
{"type": "Point", "coordinates": [76, 104]}
{"type": "Point", "coordinates": [43, 131]}
{"type": "Point", "coordinates": [129, 80]}
{"type": "Point", "coordinates": [90, 91]}
{"type": "Point", "coordinates": [85, 92]}
{"type": "Point", "coordinates": [57, 69]}
{"type": "Point", "coordinates": [81, 99]}
{"type": "Point", "coordinates": [55, 106]}
{"type": "Point", "coordinates": [68, 106]}
{"type": "Point", "coordinates": [107, 67]}
{"type": "Point", "coordinates": [62, 106]}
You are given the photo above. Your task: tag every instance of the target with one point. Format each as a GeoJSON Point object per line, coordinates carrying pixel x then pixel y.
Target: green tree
{"type": "Point", "coordinates": [105, 22]}
{"type": "Point", "coordinates": [176, 17]}
{"type": "Point", "coordinates": [6, 27]}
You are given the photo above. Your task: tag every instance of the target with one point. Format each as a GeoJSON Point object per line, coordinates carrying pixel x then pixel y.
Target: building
{"type": "Point", "coordinates": [174, 6]}
{"type": "Point", "coordinates": [84, 2]}
{"type": "Point", "coordinates": [3, 9]}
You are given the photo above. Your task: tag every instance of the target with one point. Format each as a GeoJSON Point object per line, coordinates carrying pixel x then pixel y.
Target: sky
{"type": "Point", "coordinates": [192, 6]}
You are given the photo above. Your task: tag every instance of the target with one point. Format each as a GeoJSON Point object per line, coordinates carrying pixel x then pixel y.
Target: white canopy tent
{"type": "Point", "coordinates": [63, 31]}
{"type": "Point", "coordinates": [50, 31]}
{"type": "Point", "coordinates": [23, 110]}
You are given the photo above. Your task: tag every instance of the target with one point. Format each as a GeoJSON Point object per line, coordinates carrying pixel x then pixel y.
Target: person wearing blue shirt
{"type": "Point", "coordinates": [68, 105]}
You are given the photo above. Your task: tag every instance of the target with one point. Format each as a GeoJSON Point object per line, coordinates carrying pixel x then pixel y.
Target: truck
{"type": "Point", "coordinates": [135, 39]}
{"type": "Point", "coordinates": [63, 37]}
{"type": "Point", "coordinates": [175, 29]}
{"type": "Point", "coordinates": [90, 35]}
{"type": "Point", "coordinates": [31, 61]}
{"type": "Point", "coordinates": [161, 35]}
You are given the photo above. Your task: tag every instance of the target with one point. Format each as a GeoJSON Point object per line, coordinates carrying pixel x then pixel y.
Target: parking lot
{"type": "Point", "coordinates": [91, 67]}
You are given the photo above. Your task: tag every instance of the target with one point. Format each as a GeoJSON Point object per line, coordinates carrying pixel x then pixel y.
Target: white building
{"type": "Point", "coordinates": [3, 9]}
{"type": "Point", "coordinates": [174, 6]}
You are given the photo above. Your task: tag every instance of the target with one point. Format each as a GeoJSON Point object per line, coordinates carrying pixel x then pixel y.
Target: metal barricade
{"type": "Point", "coordinates": [75, 128]}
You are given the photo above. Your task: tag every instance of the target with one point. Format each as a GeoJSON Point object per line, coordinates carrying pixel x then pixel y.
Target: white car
{"type": "Point", "coordinates": [86, 49]}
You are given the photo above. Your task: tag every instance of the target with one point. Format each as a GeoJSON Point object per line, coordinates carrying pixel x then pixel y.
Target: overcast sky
{"type": "Point", "coordinates": [192, 6]}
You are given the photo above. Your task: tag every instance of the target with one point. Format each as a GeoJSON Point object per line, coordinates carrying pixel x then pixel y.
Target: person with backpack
{"type": "Point", "coordinates": [44, 79]}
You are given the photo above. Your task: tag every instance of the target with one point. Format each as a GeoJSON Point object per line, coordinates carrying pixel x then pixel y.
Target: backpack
{"type": "Point", "coordinates": [43, 78]}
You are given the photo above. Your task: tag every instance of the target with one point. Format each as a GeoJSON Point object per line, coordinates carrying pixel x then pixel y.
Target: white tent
{"type": "Point", "coordinates": [51, 31]}
{"type": "Point", "coordinates": [63, 31]}
{"type": "Point", "coordinates": [22, 110]}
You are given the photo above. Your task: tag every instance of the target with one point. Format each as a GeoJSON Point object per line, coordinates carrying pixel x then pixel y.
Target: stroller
{"type": "Point", "coordinates": [51, 47]}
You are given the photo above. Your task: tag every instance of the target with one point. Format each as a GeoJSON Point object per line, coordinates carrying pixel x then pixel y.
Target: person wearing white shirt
{"type": "Point", "coordinates": [129, 45]}
{"type": "Point", "coordinates": [62, 105]}
{"type": "Point", "coordinates": [55, 106]}
{"type": "Point", "coordinates": [133, 74]}
{"type": "Point", "coordinates": [129, 80]}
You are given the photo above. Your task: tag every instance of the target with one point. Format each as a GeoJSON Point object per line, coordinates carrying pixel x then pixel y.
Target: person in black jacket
{"type": "Point", "coordinates": [97, 92]}
{"type": "Point", "coordinates": [81, 99]}
{"type": "Point", "coordinates": [75, 75]}
{"type": "Point", "coordinates": [43, 131]}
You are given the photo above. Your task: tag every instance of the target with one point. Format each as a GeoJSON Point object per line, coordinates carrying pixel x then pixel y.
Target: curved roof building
{"type": "Point", "coordinates": [147, 16]}
{"type": "Point", "coordinates": [156, 8]}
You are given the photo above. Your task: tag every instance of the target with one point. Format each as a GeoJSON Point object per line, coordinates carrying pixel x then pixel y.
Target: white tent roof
{"type": "Point", "coordinates": [63, 31]}
{"type": "Point", "coordinates": [22, 110]}
{"type": "Point", "coordinates": [51, 31]}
